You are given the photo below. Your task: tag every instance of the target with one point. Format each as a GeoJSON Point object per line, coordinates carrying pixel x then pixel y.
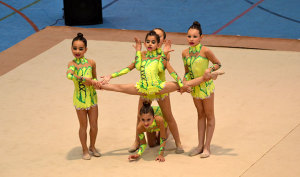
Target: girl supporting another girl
{"type": "Point", "coordinates": [196, 60]}
{"type": "Point", "coordinates": [82, 71]}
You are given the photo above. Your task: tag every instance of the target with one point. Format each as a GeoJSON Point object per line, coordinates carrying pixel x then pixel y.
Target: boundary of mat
{"type": "Point", "coordinates": [43, 40]}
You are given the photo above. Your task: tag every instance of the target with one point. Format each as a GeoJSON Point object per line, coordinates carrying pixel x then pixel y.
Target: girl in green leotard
{"type": "Point", "coordinates": [158, 67]}
{"type": "Point", "coordinates": [82, 72]}
{"type": "Point", "coordinates": [151, 120]}
{"type": "Point", "coordinates": [196, 60]}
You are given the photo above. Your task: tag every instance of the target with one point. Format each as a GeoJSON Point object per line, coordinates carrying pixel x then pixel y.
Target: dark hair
{"type": "Point", "coordinates": [80, 37]}
{"type": "Point", "coordinates": [146, 108]}
{"type": "Point", "coordinates": [196, 25]}
{"type": "Point", "coordinates": [161, 31]}
{"type": "Point", "coordinates": [153, 33]}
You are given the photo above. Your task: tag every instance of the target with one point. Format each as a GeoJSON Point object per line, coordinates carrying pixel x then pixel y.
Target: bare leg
{"type": "Point", "coordinates": [170, 87]}
{"type": "Point", "coordinates": [165, 106]}
{"type": "Point", "coordinates": [197, 81]}
{"type": "Point", "coordinates": [123, 88]}
{"type": "Point", "coordinates": [93, 118]}
{"type": "Point", "coordinates": [210, 127]}
{"type": "Point", "coordinates": [201, 127]}
{"type": "Point", "coordinates": [82, 117]}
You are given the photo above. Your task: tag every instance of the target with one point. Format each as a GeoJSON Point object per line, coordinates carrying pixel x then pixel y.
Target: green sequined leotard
{"type": "Point", "coordinates": [157, 112]}
{"type": "Point", "coordinates": [150, 65]}
{"type": "Point", "coordinates": [153, 128]}
{"type": "Point", "coordinates": [197, 66]}
{"type": "Point", "coordinates": [84, 96]}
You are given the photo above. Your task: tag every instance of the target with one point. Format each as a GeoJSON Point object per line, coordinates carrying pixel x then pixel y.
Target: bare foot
{"type": "Point", "coordinates": [134, 147]}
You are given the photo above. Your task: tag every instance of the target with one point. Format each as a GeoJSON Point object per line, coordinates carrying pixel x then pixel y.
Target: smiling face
{"type": "Point", "coordinates": [151, 43]}
{"type": "Point", "coordinates": [78, 49]}
{"type": "Point", "coordinates": [193, 37]}
{"type": "Point", "coordinates": [147, 119]}
{"type": "Point", "coordinates": [161, 37]}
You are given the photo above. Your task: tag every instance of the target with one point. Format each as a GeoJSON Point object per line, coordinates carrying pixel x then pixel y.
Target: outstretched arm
{"type": "Point", "coordinates": [143, 143]}
{"type": "Point", "coordinates": [172, 72]}
{"type": "Point", "coordinates": [138, 47]}
{"type": "Point", "coordinates": [163, 139]}
{"type": "Point", "coordinates": [106, 79]}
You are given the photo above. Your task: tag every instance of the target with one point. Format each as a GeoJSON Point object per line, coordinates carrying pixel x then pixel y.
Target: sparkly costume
{"type": "Point", "coordinates": [84, 96]}
{"type": "Point", "coordinates": [153, 128]}
{"type": "Point", "coordinates": [151, 69]}
{"type": "Point", "coordinates": [196, 68]}
{"type": "Point", "coordinates": [149, 66]}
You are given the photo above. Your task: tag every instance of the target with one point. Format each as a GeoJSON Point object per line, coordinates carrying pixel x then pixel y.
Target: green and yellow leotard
{"type": "Point", "coordinates": [150, 64]}
{"type": "Point", "coordinates": [84, 96]}
{"type": "Point", "coordinates": [153, 128]}
{"type": "Point", "coordinates": [197, 66]}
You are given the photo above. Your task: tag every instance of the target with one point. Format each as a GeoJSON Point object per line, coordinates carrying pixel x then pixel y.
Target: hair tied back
{"type": "Point", "coordinates": [80, 35]}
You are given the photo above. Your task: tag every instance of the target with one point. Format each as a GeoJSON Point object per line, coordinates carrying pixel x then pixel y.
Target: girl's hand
{"type": "Point", "coordinates": [160, 158]}
{"type": "Point", "coordinates": [133, 157]}
{"type": "Point", "coordinates": [167, 48]}
{"type": "Point", "coordinates": [138, 44]}
{"type": "Point", "coordinates": [94, 82]}
{"type": "Point", "coordinates": [105, 79]}
{"type": "Point", "coordinates": [185, 88]}
{"type": "Point", "coordinates": [207, 75]}
{"type": "Point", "coordinates": [97, 85]}
{"type": "Point", "coordinates": [87, 82]}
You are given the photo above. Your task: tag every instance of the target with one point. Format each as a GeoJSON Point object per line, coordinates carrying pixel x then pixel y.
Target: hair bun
{"type": "Point", "coordinates": [196, 23]}
{"type": "Point", "coordinates": [146, 104]}
{"type": "Point", "coordinates": [79, 35]}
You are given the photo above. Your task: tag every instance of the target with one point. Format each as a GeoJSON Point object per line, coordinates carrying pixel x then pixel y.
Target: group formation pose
{"type": "Point", "coordinates": [152, 85]}
{"type": "Point", "coordinates": [151, 121]}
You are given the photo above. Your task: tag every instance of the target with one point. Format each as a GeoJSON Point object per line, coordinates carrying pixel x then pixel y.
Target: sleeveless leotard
{"type": "Point", "coordinates": [153, 128]}
{"type": "Point", "coordinates": [84, 96]}
{"type": "Point", "coordinates": [197, 66]}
